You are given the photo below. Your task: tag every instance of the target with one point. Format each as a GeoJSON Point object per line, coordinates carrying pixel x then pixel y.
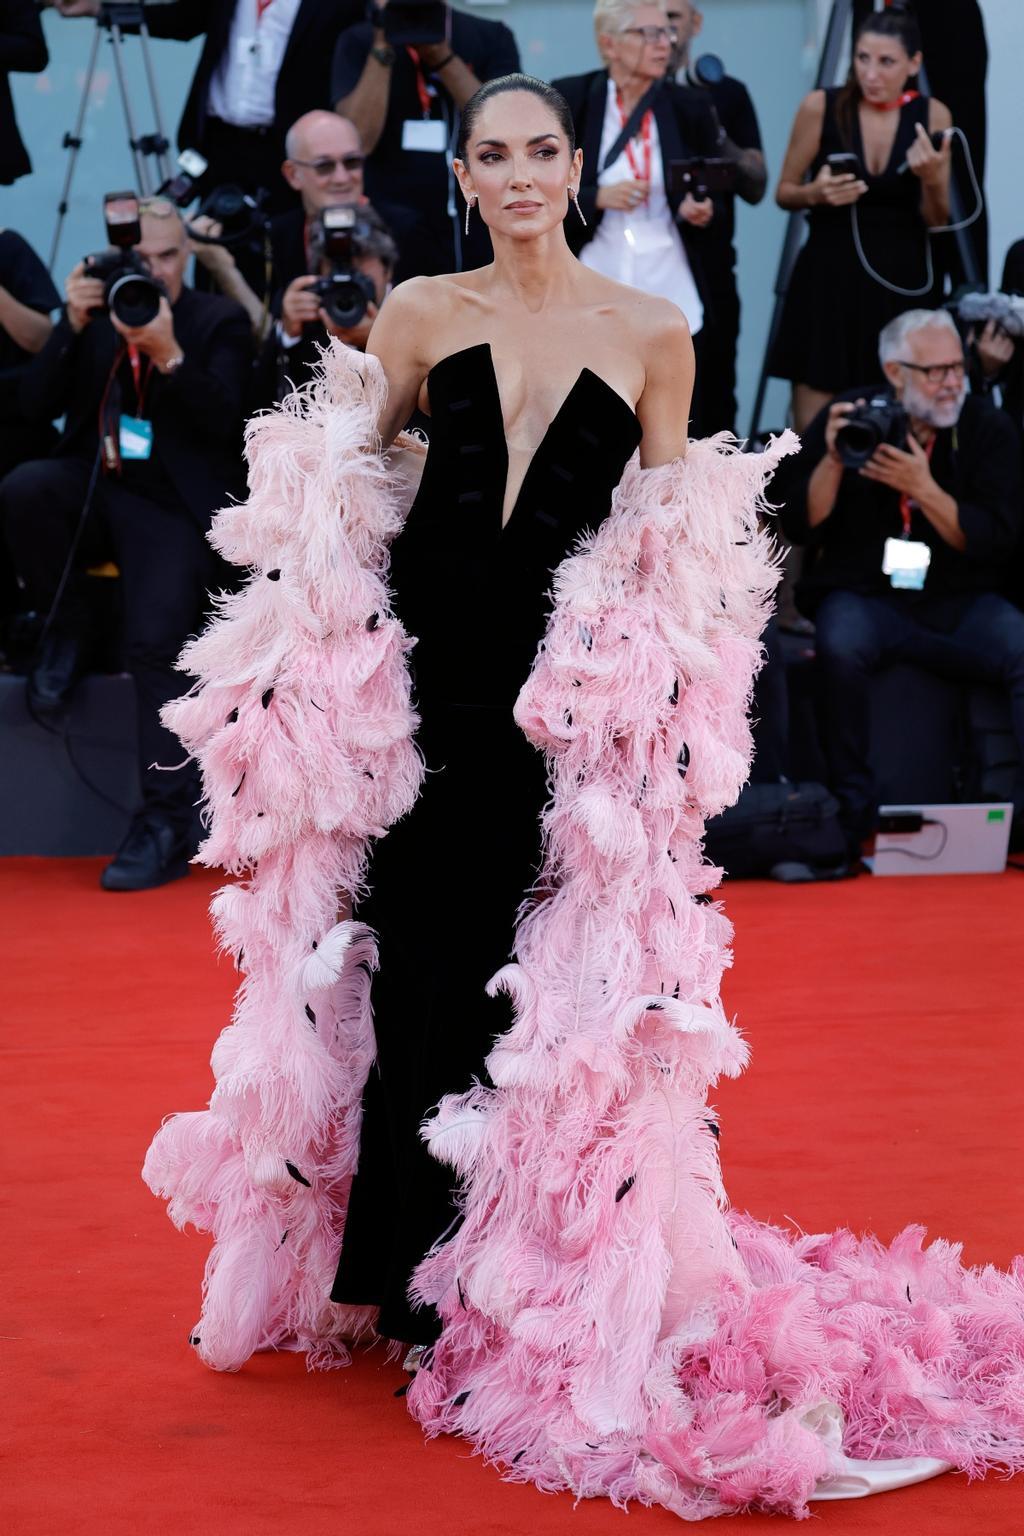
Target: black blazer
{"type": "Point", "coordinates": [196, 411]}
{"type": "Point", "coordinates": [305, 78]}
{"type": "Point", "coordinates": [22, 50]}
{"type": "Point", "coordinates": [685, 128]}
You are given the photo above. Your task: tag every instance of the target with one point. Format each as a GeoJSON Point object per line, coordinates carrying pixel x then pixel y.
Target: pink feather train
{"type": "Point", "coordinates": [609, 1326]}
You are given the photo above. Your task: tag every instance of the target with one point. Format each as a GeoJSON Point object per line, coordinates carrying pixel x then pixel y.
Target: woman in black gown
{"type": "Point", "coordinates": [512, 478]}
{"type": "Point", "coordinates": [835, 308]}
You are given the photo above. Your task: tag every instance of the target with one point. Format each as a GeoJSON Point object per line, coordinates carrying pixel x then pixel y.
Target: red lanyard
{"type": "Point", "coordinates": [893, 106]}
{"type": "Point", "coordinates": [141, 382]}
{"type": "Point", "coordinates": [422, 89]}
{"type": "Point", "coordinates": [906, 505]}
{"type": "Point", "coordinates": [261, 6]}
{"type": "Point", "coordinates": [645, 140]}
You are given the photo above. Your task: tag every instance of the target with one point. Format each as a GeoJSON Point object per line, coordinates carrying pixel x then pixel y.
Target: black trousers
{"type": "Point", "coordinates": [967, 637]}
{"type": "Point", "coordinates": [166, 570]}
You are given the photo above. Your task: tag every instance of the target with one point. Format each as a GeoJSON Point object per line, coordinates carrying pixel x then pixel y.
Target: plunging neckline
{"type": "Point", "coordinates": [584, 373]}
{"type": "Point", "coordinates": [887, 167]}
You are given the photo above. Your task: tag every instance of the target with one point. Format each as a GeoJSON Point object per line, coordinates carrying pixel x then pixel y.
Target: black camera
{"type": "Point", "coordinates": [408, 22]}
{"type": "Point", "coordinates": [881, 420]}
{"type": "Point", "coordinates": [699, 176]}
{"type": "Point", "coordinates": [129, 291]}
{"type": "Point", "coordinates": [344, 292]}
{"type": "Point", "coordinates": [183, 187]}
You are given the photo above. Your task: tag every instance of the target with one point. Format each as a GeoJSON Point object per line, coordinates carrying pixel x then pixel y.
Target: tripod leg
{"type": "Point", "coordinates": [73, 142]}
{"type": "Point", "coordinates": [162, 143]}
{"type": "Point", "coordinates": [141, 169]}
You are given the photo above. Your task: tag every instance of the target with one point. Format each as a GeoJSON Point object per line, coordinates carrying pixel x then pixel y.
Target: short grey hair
{"type": "Point", "coordinates": [892, 337]}
{"type": "Point", "coordinates": [614, 15]}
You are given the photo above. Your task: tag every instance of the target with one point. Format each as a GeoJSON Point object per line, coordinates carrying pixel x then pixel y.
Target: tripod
{"type": "Point", "coordinates": [113, 18]}
{"type": "Point", "coordinates": [839, 26]}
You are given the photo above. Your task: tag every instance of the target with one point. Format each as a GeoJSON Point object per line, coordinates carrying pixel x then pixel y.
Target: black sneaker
{"type": "Point", "coordinates": [155, 852]}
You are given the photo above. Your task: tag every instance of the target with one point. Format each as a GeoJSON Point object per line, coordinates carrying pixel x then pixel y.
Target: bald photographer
{"type": "Point", "coordinates": [908, 495]}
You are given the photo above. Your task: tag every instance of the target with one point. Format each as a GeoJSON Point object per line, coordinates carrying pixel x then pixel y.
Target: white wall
{"type": "Point", "coordinates": [1004, 25]}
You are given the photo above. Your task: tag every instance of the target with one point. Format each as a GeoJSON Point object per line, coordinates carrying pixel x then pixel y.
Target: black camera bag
{"type": "Point", "coordinates": [779, 824]}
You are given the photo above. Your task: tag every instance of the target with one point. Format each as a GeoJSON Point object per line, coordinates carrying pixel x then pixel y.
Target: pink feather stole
{"type": "Point", "coordinates": [302, 724]}
{"type": "Point", "coordinates": [609, 1327]}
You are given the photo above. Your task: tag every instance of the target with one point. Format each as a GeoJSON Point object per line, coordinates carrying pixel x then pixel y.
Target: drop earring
{"type": "Point", "coordinates": [574, 199]}
{"type": "Point", "coordinates": [470, 201]}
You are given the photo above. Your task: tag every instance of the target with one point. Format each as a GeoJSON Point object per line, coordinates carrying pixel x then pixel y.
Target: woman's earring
{"type": "Point", "coordinates": [576, 204]}
{"type": "Point", "coordinates": [469, 205]}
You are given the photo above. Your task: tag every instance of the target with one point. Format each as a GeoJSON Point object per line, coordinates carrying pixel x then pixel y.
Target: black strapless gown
{"type": "Point", "coordinates": [449, 879]}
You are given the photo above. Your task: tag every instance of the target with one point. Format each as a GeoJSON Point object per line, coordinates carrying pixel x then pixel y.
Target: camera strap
{"type": "Point", "coordinates": [632, 124]}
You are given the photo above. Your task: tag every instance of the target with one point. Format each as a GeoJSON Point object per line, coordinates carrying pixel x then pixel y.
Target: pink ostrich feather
{"type": "Point", "coordinates": [610, 1326]}
{"type": "Point", "coordinates": [301, 722]}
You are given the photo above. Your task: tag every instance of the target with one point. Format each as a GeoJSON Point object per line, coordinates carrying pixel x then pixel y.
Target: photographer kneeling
{"type": "Point", "coordinates": [910, 496]}
{"type": "Point", "coordinates": [352, 259]}
{"type": "Point", "coordinates": [151, 376]}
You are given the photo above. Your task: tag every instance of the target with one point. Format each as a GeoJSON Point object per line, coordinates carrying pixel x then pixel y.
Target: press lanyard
{"type": "Point", "coordinates": [422, 88]}
{"type": "Point", "coordinates": [893, 106]}
{"type": "Point", "coordinates": [261, 6]}
{"type": "Point", "coordinates": [136, 366]}
{"type": "Point", "coordinates": [906, 505]}
{"type": "Point", "coordinates": [645, 140]}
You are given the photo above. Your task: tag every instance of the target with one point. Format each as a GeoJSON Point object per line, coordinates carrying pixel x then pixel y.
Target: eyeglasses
{"type": "Point", "coordinates": [651, 34]}
{"type": "Point", "coordinates": [326, 167]}
{"type": "Point", "coordinates": [937, 373]}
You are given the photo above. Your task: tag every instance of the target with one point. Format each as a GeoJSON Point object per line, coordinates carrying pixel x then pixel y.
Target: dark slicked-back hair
{"type": "Point", "coordinates": [551, 98]}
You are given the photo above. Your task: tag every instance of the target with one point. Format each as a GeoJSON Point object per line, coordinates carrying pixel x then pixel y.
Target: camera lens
{"type": "Point", "coordinates": [856, 442]}
{"type": "Point", "coordinates": [134, 299]}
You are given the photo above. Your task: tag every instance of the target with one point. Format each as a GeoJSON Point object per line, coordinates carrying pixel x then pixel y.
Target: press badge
{"type": "Point", "coordinates": [135, 438]}
{"type": "Point", "coordinates": [428, 134]}
{"type": "Point", "coordinates": [906, 563]}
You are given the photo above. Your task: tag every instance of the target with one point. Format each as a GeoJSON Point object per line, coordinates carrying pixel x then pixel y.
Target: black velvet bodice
{"type": "Point", "coordinates": [476, 595]}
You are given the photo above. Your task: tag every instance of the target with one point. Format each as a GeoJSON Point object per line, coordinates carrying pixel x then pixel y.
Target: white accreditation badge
{"type": "Point", "coordinates": [427, 134]}
{"type": "Point", "coordinates": [906, 562]}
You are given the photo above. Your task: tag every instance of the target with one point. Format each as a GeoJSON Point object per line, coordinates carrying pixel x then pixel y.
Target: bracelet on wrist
{"type": "Point", "coordinates": [443, 64]}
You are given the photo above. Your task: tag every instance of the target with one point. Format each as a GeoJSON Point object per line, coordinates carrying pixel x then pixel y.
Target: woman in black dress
{"type": "Point", "coordinates": [836, 307]}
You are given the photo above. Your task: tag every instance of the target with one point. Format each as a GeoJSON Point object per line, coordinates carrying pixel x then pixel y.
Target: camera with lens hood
{"type": "Point", "coordinates": [406, 23]}
{"type": "Point", "coordinates": [879, 420]}
{"type": "Point", "coordinates": [129, 290]}
{"type": "Point", "coordinates": [344, 293]}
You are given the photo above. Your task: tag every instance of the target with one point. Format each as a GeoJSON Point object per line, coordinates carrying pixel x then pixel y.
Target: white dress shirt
{"type": "Point", "coordinates": [243, 84]}
{"type": "Point", "coordinates": [642, 246]}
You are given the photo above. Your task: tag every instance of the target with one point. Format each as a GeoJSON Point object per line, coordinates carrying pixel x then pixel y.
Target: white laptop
{"type": "Point", "coordinates": [941, 839]}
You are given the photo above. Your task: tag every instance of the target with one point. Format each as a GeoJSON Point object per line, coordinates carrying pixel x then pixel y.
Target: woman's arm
{"type": "Point", "coordinates": [931, 165]}
{"type": "Point", "coordinates": [664, 406]}
{"type": "Point", "coordinates": [397, 341]}
{"type": "Point", "coordinates": [793, 192]}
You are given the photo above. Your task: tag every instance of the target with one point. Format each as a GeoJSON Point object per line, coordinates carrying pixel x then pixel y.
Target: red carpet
{"type": "Point", "coordinates": [886, 1088]}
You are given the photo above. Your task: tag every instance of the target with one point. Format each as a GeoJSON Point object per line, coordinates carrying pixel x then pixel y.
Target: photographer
{"type": "Point", "coordinates": [911, 504]}
{"type": "Point", "coordinates": [402, 77]}
{"type": "Point", "coordinates": [352, 267]}
{"type": "Point", "coordinates": [150, 448]}
{"type": "Point", "coordinates": [27, 297]}
{"type": "Point", "coordinates": [324, 166]}
{"type": "Point", "coordinates": [637, 230]}
{"type": "Point", "coordinates": [738, 142]}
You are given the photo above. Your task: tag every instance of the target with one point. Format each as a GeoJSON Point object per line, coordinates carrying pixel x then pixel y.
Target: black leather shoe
{"type": "Point", "coordinates": [54, 673]}
{"type": "Point", "coordinates": [154, 853]}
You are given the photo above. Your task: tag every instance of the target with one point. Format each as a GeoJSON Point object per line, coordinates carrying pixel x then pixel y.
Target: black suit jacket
{"type": "Point", "coordinates": [305, 78]}
{"type": "Point", "coordinates": [22, 50]}
{"type": "Point", "coordinates": [196, 411]}
{"type": "Point", "coordinates": [685, 128]}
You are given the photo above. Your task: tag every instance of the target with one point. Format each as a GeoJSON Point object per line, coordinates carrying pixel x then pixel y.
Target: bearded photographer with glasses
{"type": "Point", "coordinates": [908, 495]}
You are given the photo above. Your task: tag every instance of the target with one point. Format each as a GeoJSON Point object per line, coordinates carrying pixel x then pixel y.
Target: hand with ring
{"type": "Point", "coordinates": [623, 195]}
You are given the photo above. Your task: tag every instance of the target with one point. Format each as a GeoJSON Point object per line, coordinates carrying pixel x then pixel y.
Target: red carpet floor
{"type": "Point", "coordinates": [886, 1088]}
